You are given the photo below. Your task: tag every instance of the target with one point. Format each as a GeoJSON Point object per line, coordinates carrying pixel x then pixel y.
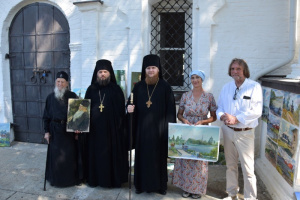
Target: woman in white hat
{"type": "Point", "coordinates": [191, 175]}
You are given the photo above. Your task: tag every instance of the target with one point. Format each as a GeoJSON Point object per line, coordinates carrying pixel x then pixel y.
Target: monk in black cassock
{"type": "Point", "coordinates": [154, 107]}
{"type": "Point", "coordinates": [107, 151]}
{"type": "Point", "coordinates": [61, 169]}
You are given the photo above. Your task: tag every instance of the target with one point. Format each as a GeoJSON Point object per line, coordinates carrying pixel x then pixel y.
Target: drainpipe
{"type": "Point", "coordinates": [292, 42]}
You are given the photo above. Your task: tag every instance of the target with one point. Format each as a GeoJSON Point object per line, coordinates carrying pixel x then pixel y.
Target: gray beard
{"type": "Point", "coordinates": [77, 114]}
{"type": "Point", "coordinates": [103, 82]}
{"type": "Point", "coordinates": [59, 94]}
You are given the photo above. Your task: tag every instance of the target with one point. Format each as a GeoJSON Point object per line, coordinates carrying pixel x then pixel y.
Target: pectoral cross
{"type": "Point", "coordinates": [148, 103]}
{"type": "Point", "coordinates": [101, 107]}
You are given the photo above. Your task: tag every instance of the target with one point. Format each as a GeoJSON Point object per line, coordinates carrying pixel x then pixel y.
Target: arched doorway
{"type": "Point", "coordinates": [38, 48]}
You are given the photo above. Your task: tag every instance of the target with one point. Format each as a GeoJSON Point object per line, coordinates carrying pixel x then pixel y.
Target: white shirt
{"type": "Point", "coordinates": [247, 107]}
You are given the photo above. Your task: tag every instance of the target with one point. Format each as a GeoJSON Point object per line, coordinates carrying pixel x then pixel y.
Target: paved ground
{"type": "Point", "coordinates": [22, 176]}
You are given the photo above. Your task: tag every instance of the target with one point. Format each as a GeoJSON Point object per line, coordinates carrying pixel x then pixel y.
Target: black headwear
{"type": "Point", "coordinates": [104, 65]}
{"type": "Point", "coordinates": [85, 103]}
{"type": "Point", "coordinates": [63, 75]}
{"type": "Point", "coordinates": [151, 60]}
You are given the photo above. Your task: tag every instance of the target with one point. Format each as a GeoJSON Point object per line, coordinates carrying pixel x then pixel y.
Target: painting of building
{"type": "Point", "coordinates": [194, 142]}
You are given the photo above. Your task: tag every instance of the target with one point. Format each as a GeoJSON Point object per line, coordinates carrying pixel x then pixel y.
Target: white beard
{"type": "Point", "coordinates": [59, 94]}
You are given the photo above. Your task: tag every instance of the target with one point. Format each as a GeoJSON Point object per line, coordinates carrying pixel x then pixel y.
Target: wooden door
{"type": "Point", "coordinates": [38, 48]}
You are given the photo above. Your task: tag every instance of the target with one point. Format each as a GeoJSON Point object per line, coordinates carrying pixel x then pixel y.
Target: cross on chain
{"type": "Point", "coordinates": [101, 107]}
{"type": "Point", "coordinates": [148, 103]}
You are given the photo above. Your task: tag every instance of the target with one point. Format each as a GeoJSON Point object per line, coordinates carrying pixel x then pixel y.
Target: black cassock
{"type": "Point", "coordinates": [62, 150]}
{"type": "Point", "coordinates": [107, 150]}
{"type": "Point", "coordinates": [150, 134]}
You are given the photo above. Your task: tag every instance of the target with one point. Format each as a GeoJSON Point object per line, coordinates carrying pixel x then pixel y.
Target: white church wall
{"type": "Point", "coordinates": [257, 31]}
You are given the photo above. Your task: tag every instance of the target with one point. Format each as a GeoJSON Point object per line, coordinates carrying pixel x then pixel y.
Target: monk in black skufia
{"type": "Point", "coordinates": [61, 169]}
{"type": "Point", "coordinates": [154, 108]}
{"type": "Point", "coordinates": [107, 153]}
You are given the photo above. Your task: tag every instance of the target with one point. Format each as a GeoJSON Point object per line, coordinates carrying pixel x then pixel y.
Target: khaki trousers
{"type": "Point", "coordinates": [239, 145]}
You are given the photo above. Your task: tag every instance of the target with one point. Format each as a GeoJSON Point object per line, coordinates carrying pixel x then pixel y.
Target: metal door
{"type": "Point", "coordinates": [38, 48]}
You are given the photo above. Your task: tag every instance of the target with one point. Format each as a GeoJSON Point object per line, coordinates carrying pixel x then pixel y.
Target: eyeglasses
{"type": "Point", "coordinates": [235, 93]}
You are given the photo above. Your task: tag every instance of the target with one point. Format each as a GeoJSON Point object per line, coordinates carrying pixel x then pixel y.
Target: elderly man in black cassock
{"type": "Point", "coordinates": [61, 169]}
{"type": "Point", "coordinates": [154, 107]}
{"type": "Point", "coordinates": [107, 150]}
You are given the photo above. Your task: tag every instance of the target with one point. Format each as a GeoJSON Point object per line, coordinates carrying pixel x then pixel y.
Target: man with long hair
{"type": "Point", "coordinates": [239, 107]}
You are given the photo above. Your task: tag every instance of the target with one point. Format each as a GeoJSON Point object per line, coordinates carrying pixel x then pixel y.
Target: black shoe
{"type": "Point", "coordinates": [138, 191]}
{"type": "Point", "coordinates": [162, 192]}
{"type": "Point", "coordinates": [92, 186]}
{"type": "Point", "coordinates": [79, 184]}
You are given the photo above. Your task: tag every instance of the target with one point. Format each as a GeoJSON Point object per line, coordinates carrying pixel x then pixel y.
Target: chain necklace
{"type": "Point", "coordinates": [101, 101]}
{"type": "Point", "coordinates": [149, 102]}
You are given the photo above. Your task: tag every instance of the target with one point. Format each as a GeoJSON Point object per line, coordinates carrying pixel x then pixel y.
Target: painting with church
{"type": "Point", "coordinates": [194, 142]}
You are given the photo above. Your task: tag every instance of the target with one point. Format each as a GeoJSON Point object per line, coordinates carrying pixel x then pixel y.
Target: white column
{"type": "Point", "coordinates": [203, 13]}
{"type": "Point", "coordinates": [90, 12]}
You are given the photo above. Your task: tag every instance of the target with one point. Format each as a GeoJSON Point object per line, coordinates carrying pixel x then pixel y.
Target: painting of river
{"type": "Point", "coordinates": [194, 142]}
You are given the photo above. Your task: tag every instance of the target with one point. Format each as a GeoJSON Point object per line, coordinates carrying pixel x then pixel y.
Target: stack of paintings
{"type": "Point", "coordinates": [281, 113]}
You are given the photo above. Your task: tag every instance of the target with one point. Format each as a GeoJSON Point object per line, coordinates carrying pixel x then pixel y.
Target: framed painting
{"type": "Point", "coordinates": [194, 142]}
{"type": "Point", "coordinates": [79, 115]}
{"type": "Point", "coordinates": [120, 78]}
{"type": "Point", "coordinates": [135, 77]}
{"type": "Point", "coordinates": [4, 134]}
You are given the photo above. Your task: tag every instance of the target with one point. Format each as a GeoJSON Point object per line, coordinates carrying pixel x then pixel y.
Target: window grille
{"type": "Point", "coordinates": [171, 39]}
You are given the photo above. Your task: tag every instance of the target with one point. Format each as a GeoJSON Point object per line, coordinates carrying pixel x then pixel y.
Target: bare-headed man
{"type": "Point", "coordinates": [239, 107]}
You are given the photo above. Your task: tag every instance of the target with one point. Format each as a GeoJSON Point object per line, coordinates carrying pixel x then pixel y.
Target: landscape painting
{"type": "Point", "coordinates": [265, 114]}
{"type": "Point", "coordinates": [276, 102]}
{"type": "Point", "coordinates": [194, 142]}
{"type": "Point", "coordinates": [135, 77]}
{"type": "Point", "coordinates": [273, 126]}
{"type": "Point", "coordinates": [271, 149]}
{"type": "Point", "coordinates": [4, 134]}
{"type": "Point", "coordinates": [120, 78]}
{"type": "Point", "coordinates": [291, 108]}
{"type": "Point", "coordinates": [266, 96]}
{"type": "Point", "coordinates": [266, 103]}
{"type": "Point", "coordinates": [285, 166]}
{"type": "Point", "coordinates": [288, 141]}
